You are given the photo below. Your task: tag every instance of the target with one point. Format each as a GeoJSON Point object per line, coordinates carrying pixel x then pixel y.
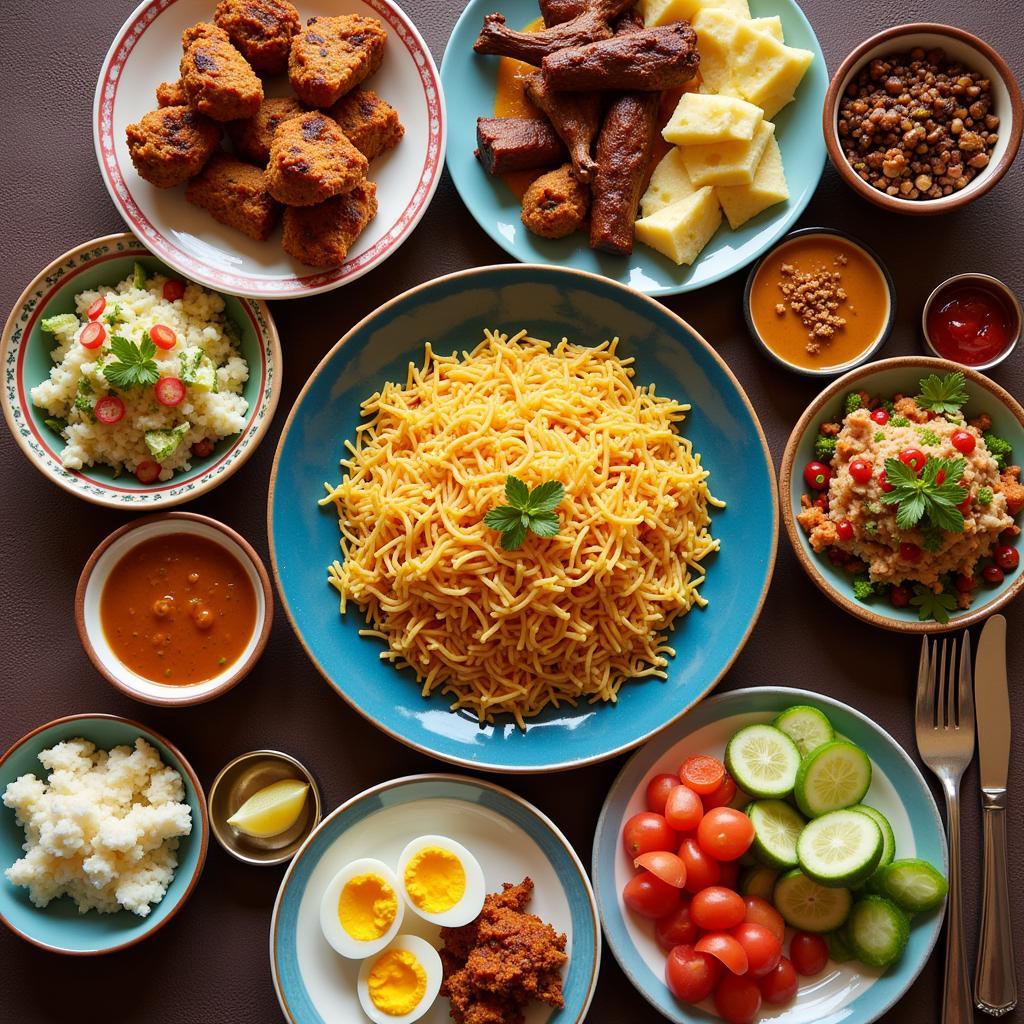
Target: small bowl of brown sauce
{"type": "Point", "coordinates": [820, 303]}
{"type": "Point", "coordinates": [174, 609]}
{"type": "Point", "coordinates": [972, 319]}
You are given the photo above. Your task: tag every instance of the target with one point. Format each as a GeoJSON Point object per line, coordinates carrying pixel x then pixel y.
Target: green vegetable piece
{"type": "Point", "coordinates": [913, 885]}
{"type": "Point", "coordinates": [985, 496]}
{"type": "Point", "coordinates": [198, 370]}
{"type": "Point", "coordinates": [943, 394]}
{"type": "Point", "coordinates": [163, 443]}
{"type": "Point", "coordinates": [59, 322]}
{"type": "Point", "coordinates": [824, 447]}
{"type": "Point", "coordinates": [929, 436]}
{"type": "Point", "coordinates": [526, 511]}
{"type": "Point", "coordinates": [930, 605]}
{"type": "Point", "coordinates": [852, 402]}
{"type": "Point", "coordinates": [55, 424]}
{"type": "Point", "coordinates": [139, 275]}
{"type": "Point", "coordinates": [1000, 449]}
{"type": "Point", "coordinates": [879, 436]}
{"type": "Point", "coordinates": [838, 946]}
{"type": "Point", "coordinates": [863, 588]}
{"type": "Point", "coordinates": [113, 315]}
{"type": "Point", "coordinates": [878, 931]}
{"type": "Point", "coordinates": [899, 421]}
{"type": "Point", "coordinates": [134, 365]}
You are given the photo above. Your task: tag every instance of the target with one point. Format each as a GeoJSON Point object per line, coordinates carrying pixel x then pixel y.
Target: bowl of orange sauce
{"type": "Point", "coordinates": [174, 609]}
{"type": "Point", "coordinates": [820, 303]}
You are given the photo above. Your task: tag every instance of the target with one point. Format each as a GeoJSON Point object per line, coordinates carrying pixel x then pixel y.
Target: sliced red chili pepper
{"type": "Point", "coordinates": [170, 391]}
{"type": "Point", "coordinates": [95, 310]}
{"type": "Point", "coordinates": [109, 409]}
{"type": "Point", "coordinates": [93, 335]}
{"type": "Point", "coordinates": [162, 336]}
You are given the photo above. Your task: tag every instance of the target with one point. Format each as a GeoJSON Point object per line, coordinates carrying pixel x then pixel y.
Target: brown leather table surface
{"type": "Point", "coordinates": [210, 964]}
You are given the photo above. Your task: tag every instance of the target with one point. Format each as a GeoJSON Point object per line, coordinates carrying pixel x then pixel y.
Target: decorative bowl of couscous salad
{"type": "Point", "coordinates": [130, 386]}
{"type": "Point", "coordinates": [902, 494]}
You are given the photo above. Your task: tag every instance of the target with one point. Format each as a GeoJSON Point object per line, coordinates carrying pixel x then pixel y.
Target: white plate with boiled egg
{"type": "Point", "coordinates": [365, 898]}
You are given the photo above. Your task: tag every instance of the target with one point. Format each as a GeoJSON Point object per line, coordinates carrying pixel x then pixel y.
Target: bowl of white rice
{"type": "Point", "coordinates": [103, 834]}
{"type": "Point", "coordinates": [131, 386]}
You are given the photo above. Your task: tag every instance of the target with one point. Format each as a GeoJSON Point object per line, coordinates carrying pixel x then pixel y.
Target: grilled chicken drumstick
{"type": "Point", "coordinates": [555, 12]}
{"type": "Point", "coordinates": [575, 116]}
{"type": "Point", "coordinates": [532, 47]}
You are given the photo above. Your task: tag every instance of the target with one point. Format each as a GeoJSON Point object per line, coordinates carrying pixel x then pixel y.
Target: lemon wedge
{"type": "Point", "coordinates": [272, 810]}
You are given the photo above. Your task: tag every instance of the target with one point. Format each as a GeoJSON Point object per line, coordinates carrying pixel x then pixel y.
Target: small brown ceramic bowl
{"type": "Point", "coordinates": [973, 53]}
{"type": "Point", "coordinates": [883, 380]}
{"type": "Point", "coordinates": [96, 573]}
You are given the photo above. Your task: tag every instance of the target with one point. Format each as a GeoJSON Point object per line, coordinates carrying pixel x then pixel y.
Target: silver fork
{"type": "Point", "coordinates": [944, 721]}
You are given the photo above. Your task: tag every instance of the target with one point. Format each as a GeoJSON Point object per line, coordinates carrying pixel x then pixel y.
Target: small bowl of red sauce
{"type": "Point", "coordinates": [174, 609]}
{"type": "Point", "coordinates": [972, 319]}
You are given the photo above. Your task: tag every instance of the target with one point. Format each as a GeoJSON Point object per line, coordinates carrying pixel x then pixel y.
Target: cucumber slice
{"type": "Point", "coordinates": [759, 881]}
{"type": "Point", "coordinates": [888, 839]}
{"type": "Point", "coordinates": [831, 777]}
{"type": "Point", "coordinates": [840, 848]}
{"type": "Point", "coordinates": [777, 827]}
{"type": "Point", "coordinates": [878, 931]}
{"type": "Point", "coordinates": [763, 761]}
{"type": "Point", "coordinates": [807, 727]}
{"type": "Point", "coordinates": [839, 946]}
{"type": "Point", "coordinates": [810, 907]}
{"type": "Point", "coordinates": [913, 885]}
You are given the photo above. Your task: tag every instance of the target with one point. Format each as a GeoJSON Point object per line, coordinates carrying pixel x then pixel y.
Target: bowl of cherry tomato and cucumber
{"type": "Point", "coordinates": [773, 855]}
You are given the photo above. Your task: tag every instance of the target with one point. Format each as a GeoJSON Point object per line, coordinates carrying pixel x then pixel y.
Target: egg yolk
{"type": "Point", "coordinates": [397, 982]}
{"type": "Point", "coordinates": [435, 880]}
{"type": "Point", "coordinates": [367, 907]}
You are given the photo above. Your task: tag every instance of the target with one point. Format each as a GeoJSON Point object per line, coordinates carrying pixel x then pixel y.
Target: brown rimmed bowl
{"type": "Point", "coordinates": [975, 54]}
{"type": "Point", "coordinates": [98, 569]}
{"type": "Point", "coordinates": [59, 927]}
{"type": "Point", "coordinates": [885, 378]}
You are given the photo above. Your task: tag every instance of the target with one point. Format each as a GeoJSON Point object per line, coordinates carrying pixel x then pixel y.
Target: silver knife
{"type": "Point", "coordinates": [995, 982]}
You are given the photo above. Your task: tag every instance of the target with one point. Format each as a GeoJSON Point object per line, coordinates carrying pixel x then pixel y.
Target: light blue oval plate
{"type": "Point", "coordinates": [60, 927]}
{"type": "Point", "coordinates": [470, 80]}
{"type": "Point", "coordinates": [451, 313]}
{"type": "Point", "coordinates": [844, 993]}
{"type": "Point", "coordinates": [509, 837]}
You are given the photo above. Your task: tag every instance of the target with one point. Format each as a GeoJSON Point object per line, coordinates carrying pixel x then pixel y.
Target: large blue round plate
{"type": "Point", "coordinates": [509, 837]}
{"type": "Point", "coordinates": [470, 81]}
{"type": "Point", "coordinates": [451, 313]}
{"type": "Point", "coordinates": [844, 993]}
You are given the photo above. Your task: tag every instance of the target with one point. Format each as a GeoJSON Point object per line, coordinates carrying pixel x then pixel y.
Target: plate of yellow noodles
{"type": "Point", "coordinates": [522, 518]}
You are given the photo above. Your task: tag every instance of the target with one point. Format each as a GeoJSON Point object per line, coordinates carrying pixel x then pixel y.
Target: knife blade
{"type": "Point", "coordinates": [992, 704]}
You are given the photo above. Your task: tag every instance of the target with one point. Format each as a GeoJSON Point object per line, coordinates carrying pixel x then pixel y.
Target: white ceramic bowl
{"type": "Point", "coordinates": [96, 572]}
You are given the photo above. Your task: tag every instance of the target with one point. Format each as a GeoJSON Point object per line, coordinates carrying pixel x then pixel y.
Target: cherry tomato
{"type": "Point", "coordinates": [880, 416]}
{"type": "Point", "coordinates": [649, 896]}
{"type": "Point", "coordinates": [684, 809]}
{"type": "Point", "coordinates": [763, 947]}
{"type": "Point", "coordinates": [964, 584]}
{"type": "Point", "coordinates": [910, 552]}
{"type": "Point", "coordinates": [162, 336]}
{"type": "Point", "coordinates": [173, 290]}
{"type": "Point", "coordinates": [861, 470]}
{"type": "Point", "coordinates": [965, 505]}
{"type": "Point", "coordinates": [883, 482]}
{"type": "Point", "coordinates": [691, 976]}
{"type": "Point", "coordinates": [1006, 557]}
{"type": "Point", "coordinates": [717, 909]}
{"type": "Point", "coordinates": [725, 833]}
{"type": "Point", "coordinates": [677, 927]}
{"type": "Point", "coordinates": [147, 471]}
{"type": "Point", "coordinates": [93, 335]}
{"type": "Point", "coordinates": [914, 458]}
{"type": "Point", "coordinates": [701, 870]}
{"type": "Point", "coordinates": [817, 475]}
{"type": "Point", "coordinates": [658, 790]}
{"type": "Point", "coordinates": [729, 874]}
{"type": "Point", "coordinates": [169, 391]}
{"type": "Point", "coordinates": [724, 947]}
{"type": "Point", "coordinates": [203, 448]}
{"type": "Point", "coordinates": [900, 596]}
{"type": "Point", "coordinates": [809, 954]}
{"type": "Point", "coordinates": [664, 865]}
{"type": "Point", "coordinates": [963, 441]}
{"type": "Point", "coordinates": [737, 1000]}
{"type": "Point", "coordinates": [844, 530]}
{"type": "Point", "coordinates": [821, 501]}
{"type": "Point", "coordinates": [760, 911]}
{"type": "Point", "coordinates": [779, 987]}
{"type": "Point", "coordinates": [95, 310]}
{"type": "Point", "coordinates": [109, 409]}
{"type": "Point", "coordinates": [725, 794]}
{"type": "Point", "coordinates": [702, 773]}
{"type": "Point", "coordinates": [647, 831]}
{"type": "Point", "coordinates": [993, 574]}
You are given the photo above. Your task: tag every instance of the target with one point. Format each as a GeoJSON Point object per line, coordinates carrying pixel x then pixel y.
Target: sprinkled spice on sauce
{"type": "Point", "coordinates": [971, 323]}
{"type": "Point", "coordinates": [178, 609]}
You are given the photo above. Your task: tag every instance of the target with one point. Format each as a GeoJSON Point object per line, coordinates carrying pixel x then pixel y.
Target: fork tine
{"type": "Point", "coordinates": [925, 710]}
{"type": "Point", "coordinates": [942, 690]}
{"type": "Point", "coordinates": [966, 715]}
{"type": "Point", "coordinates": [952, 686]}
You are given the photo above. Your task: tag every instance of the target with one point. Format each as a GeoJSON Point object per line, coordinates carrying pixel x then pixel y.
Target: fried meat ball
{"type": "Point", "coordinates": [322, 235]}
{"type": "Point", "coordinates": [217, 78]}
{"type": "Point", "coordinates": [236, 194]}
{"type": "Point", "coordinates": [252, 136]}
{"type": "Point", "coordinates": [555, 205]}
{"type": "Point", "coordinates": [262, 30]}
{"type": "Point", "coordinates": [331, 56]}
{"type": "Point", "coordinates": [171, 94]}
{"type": "Point", "coordinates": [171, 144]}
{"type": "Point", "coordinates": [370, 122]}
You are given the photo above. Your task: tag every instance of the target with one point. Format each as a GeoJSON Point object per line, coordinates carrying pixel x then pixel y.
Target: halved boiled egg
{"type": "Point", "coordinates": [399, 985]}
{"type": "Point", "coordinates": [442, 881]}
{"type": "Point", "coordinates": [361, 909]}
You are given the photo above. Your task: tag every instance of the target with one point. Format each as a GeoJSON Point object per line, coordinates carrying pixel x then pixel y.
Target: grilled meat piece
{"type": "Point", "coordinates": [647, 60]}
{"type": "Point", "coordinates": [262, 30]}
{"type": "Point", "coordinates": [311, 160]}
{"type": "Point", "coordinates": [370, 123]}
{"type": "Point", "coordinates": [532, 47]}
{"type": "Point", "coordinates": [171, 94]}
{"type": "Point", "coordinates": [252, 136]}
{"type": "Point", "coordinates": [171, 144]}
{"type": "Point", "coordinates": [322, 235]}
{"type": "Point", "coordinates": [576, 116]}
{"type": "Point", "coordinates": [517, 144]}
{"type": "Point", "coordinates": [555, 12]}
{"type": "Point", "coordinates": [217, 78]}
{"type": "Point", "coordinates": [236, 194]}
{"type": "Point", "coordinates": [332, 55]}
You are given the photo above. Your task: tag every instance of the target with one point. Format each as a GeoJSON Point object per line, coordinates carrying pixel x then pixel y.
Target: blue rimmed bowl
{"type": "Point", "coordinates": [451, 313]}
{"type": "Point", "coordinates": [25, 358]}
{"type": "Point", "coordinates": [470, 83]}
{"type": "Point", "coordinates": [59, 927]}
{"type": "Point", "coordinates": [509, 837]}
{"type": "Point", "coordinates": [844, 993]}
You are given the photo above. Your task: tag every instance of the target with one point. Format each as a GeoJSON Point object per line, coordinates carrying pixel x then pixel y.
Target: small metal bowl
{"type": "Point", "coordinates": [984, 281]}
{"type": "Point", "coordinates": [237, 781]}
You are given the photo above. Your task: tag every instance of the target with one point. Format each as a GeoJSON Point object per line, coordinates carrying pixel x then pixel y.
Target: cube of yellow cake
{"type": "Point", "coordinates": [700, 119]}
{"type": "Point", "coordinates": [765, 71]}
{"type": "Point", "coordinates": [727, 163]}
{"type": "Point", "coordinates": [716, 30]}
{"type": "Point", "coordinates": [662, 12]}
{"type": "Point", "coordinates": [741, 8]}
{"type": "Point", "coordinates": [772, 25]}
{"type": "Point", "coordinates": [741, 202]}
{"type": "Point", "coordinates": [669, 183]}
{"type": "Point", "coordinates": [680, 231]}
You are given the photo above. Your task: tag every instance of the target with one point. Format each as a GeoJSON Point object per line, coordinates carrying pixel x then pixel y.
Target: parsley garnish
{"type": "Point", "coordinates": [135, 367]}
{"type": "Point", "coordinates": [923, 498]}
{"type": "Point", "coordinates": [526, 511]}
{"type": "Point", "coordinates": [943, 394]}
{"type": "Point", "coordinates": [930, 605]}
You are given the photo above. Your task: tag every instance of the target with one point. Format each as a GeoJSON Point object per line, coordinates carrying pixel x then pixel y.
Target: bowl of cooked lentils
{"type": "Point", "coordinates": [923, 118]}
